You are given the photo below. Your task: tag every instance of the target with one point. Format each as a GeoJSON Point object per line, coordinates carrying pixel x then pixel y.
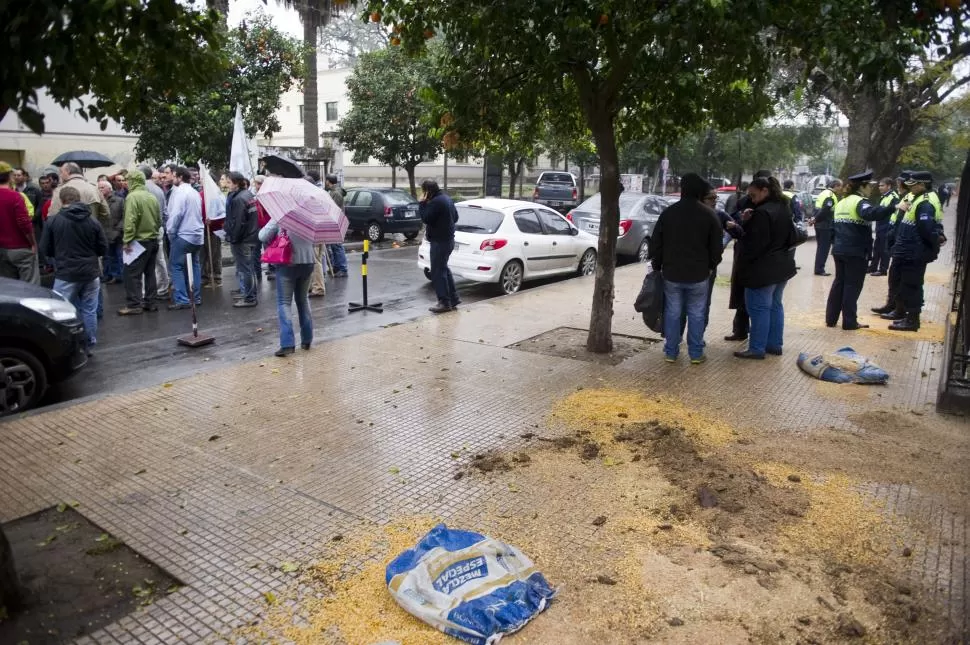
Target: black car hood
{"type": "Point", "coordinates": [13, 290]}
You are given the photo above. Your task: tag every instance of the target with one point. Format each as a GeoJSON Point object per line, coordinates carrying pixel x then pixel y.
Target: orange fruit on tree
{"type": "Point", "coordinates": [395, 41]}
{"type": "Point", "coordinates": [375, 16]}
{"type": "Point", "coordinates": [604, 19]}
{"type": "Point", "coordinates": [428, 34]}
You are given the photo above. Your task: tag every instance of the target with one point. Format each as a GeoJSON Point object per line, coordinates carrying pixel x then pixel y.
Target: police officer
{"type": "Point", "coordinates": [851, 248]}
{"type": "Point", "coordinates": [888, 310]}
{"type": "Point", "coordinates": [918, 242]}
{"type": "Point", "coordinates": [793, 201]}
{"type": "Point", "coordinates": [879, 264]}
{"type": "Point", "coordinates": [822, 221]}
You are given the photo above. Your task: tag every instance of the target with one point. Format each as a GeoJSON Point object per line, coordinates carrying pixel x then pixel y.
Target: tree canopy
{"type": "Point", "coordinates": [263, 63]}
{"type": "Point", "coordinates": [116, 56]}
{"type": "Point", "coordinates": [388, 119]}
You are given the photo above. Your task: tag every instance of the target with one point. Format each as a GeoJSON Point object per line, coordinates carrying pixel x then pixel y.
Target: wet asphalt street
{"type": "Point", "coordinates": [140, 351]}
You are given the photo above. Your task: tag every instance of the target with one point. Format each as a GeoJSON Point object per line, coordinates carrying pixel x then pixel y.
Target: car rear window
{"type": "Point", "coordinates": [397, 197]}
{"type": "Point", "coordinates": [628, 202]}
{"type": "Point", "coordinates": [556, 177]}
{"type": "Point", "coordinates": [478, 220]}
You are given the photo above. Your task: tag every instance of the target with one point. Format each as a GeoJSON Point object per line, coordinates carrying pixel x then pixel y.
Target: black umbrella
{"type": "Point", "coordinates": [84, 158]}
{"type": "Point", "coordinates": [283, 166]}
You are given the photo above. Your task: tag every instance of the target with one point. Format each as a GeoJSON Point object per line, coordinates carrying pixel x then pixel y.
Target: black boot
{"type": "Point", "coordinates": [885, 309]}
{"type": "Point", "coordinates": [909, 323]}
{"type": "Point", "coordinates": [895, 314]}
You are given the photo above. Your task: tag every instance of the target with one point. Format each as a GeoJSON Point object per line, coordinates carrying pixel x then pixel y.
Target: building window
{"type": "Point", "coordinates": [331, 111]}
{"type": "Point", "coordinates": [301, 114]}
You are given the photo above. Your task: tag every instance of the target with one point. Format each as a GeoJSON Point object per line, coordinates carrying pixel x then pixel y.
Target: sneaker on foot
{"type": "Point", "coordinates": [284, 351]}
{"type": "Point", "coordinates": [700, 359]}
{"type": "Point", "coordinates": [130, 311]}
{"type": "Point", "coordinates": [239, 304]}
{"type": "Point", "coordinates": [749, 354]}
{"type": "Point", "coordinates": [440, 308]}
{"type": "Point", "coordinates": [670, 359]}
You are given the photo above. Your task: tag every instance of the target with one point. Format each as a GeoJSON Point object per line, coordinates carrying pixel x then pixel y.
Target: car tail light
{"type": "Point", "coordinates": [388, 213]}
{"type": "Point", "coordinates": [569, 216]}
{"type": "Point", "coordinates": [625, 226]}
{"type": "Point", "coordinates": [575, 193]}
{"type": "Point", "coordinates": [492, 244]}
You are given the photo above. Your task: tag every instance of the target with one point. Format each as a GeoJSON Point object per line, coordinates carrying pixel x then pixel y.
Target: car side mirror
{"type": "Point", "coordinates": [573, 231]}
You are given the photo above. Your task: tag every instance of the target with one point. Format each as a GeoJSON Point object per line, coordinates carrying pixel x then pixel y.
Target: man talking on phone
{"type": "Point", "coordinates": [439, 215]}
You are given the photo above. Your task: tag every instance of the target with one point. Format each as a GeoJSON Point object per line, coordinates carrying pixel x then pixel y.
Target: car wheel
{"type": "Point", "coordinates": [375, 232]}
{"type": "Point", "coordinates": [510, 280]}
{"type": "Point", "coordinates": [23, 381]}
{"type": "Point", "coordinates": [411, 236]}
{"type": "Point", "coordinates": [427, 273]}
{"type": "Point", "coordinates": [643, 252]}
{"type": "Point", "coordinates": [587, 264]}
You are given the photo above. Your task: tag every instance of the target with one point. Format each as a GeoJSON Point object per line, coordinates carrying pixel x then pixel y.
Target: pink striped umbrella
{"type": "Point", "coordinates": [303, 209]}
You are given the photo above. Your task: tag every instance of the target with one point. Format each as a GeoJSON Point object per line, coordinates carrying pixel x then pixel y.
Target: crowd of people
{"type": "Point", "coordinates": [147, 229]}
{"type": "Point", "coordinates": [766, 222]}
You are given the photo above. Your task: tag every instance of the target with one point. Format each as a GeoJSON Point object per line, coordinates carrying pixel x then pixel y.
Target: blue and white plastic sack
{"type": "Point", "coordinates": [468, 585]}
{"type": "Point", "coordinates": [843, 366]}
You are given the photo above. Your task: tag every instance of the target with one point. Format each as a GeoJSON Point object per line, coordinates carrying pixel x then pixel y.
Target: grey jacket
{"type": "Point", "coordinates": [302, 248]}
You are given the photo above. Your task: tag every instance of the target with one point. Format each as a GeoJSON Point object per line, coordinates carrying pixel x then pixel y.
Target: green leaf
{"type": "Point", "coordinates": [289, 567]}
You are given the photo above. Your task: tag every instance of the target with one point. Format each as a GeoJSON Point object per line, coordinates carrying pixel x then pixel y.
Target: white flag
{"type": "Point", "coordinates": [239, 159]}
{"type": "Point", "coordinates": [215, 201]}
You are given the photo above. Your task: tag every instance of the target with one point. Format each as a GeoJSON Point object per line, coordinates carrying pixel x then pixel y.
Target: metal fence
{"type": "Point", "coordinates": [954, 393]}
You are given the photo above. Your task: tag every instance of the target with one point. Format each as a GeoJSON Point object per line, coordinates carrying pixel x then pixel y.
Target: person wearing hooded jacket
{"type": "Point", "coordinates": [242, 232]}
{"type": "Point", "coordinates": [143, 221]}
{"type": "Point", "coordinates": [77, 242]}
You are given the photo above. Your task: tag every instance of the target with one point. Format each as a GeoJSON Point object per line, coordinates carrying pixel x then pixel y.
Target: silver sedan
{"type": "Point", "coordinates": [638, 215]}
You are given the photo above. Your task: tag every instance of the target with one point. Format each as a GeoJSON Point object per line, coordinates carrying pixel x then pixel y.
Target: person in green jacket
{"type": "Point", "coordinates": [143, 218]}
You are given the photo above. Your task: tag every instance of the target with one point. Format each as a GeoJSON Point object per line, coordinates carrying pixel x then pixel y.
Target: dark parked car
{"type": "Point", "coordinates": [376, 211]}
{"type": "Point", "coordinates": [638, 215]}
{"type": "Point", "coordinates": [557, 190]}
{"type": "Point", "coordinates": [41, 342]}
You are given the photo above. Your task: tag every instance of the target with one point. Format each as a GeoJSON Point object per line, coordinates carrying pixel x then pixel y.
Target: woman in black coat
{"type": "Point", "coordinates": [765, 265]}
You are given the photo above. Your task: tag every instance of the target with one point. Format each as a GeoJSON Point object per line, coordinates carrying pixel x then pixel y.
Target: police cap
{"type": "Point", "coordinates": [919, 177]}
{"type": "Point", "coordinates": [904, 175]}
{"type": "Point", "coordinates": [861, 177]}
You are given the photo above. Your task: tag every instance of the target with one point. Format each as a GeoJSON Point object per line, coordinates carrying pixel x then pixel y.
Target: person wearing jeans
{"type": "Point", "coordinates": [143, 217]}
{"type": "Point", "coordinates": [186, 235]}
{"type": "Point", "coordinates": [767, 314]}
{"type": "Point", "coordinates": [439, 215]}
{"type": "Point", "coordinates": [686, 246]}
{"type": "Point", "coordinates": [765, 265]}
{"type": "Point", "coordinates": [689, 297]}
{"type": "Point", "coordinates": [292, 282]}
{"type": "Point", "coordinates": [77, 242]}
{"type": "Point", "coordinates": [242, 232]}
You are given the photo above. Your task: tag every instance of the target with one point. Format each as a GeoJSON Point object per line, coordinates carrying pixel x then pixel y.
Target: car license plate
{"type": "Point", "coordinates": [592, 227]}
{"type": "Point", "coordinates": [555, 203]}
{"type": "Point", "coordinates": [410, 213]}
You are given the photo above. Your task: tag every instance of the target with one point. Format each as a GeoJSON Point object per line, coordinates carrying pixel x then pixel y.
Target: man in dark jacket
{"type": "Point", "coordinates": [113, 266]}
{"type": "Point", "coordinates": [439, 215]}
{"type": "Point", "coordinates": [686, 246]}
{"type": "Point", "coordinates": [242, 233]}
{"type": "Point", "coordinates": [76, 242]}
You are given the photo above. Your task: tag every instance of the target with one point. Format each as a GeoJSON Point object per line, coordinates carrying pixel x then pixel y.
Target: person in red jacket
{"type": "Point", "coordinates": [18, 246]}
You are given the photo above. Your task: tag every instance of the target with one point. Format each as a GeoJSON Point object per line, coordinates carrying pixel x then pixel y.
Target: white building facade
{"type": "Point", "coordinates": [64, 131]}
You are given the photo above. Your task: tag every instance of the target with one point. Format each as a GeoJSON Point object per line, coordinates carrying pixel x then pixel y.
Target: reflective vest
{"type": "Point", "coordinates": [928, 196]}
{"type": "Point", "coordinates": [895, 217]}
{"type": "Point", "coordinates": [934, 199]}
{"type": "Point", "coordinates": [822, 196]}
{"type": "Point", "coordinates": [888, 199]}
{"type": "Point", "coordinates": [845, 211]}
{"type": "Point", "coordinates": [789, 194]}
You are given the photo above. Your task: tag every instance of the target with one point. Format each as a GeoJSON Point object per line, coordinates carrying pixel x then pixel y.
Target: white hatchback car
{"type": "Point", "coordinates": [507, 242]}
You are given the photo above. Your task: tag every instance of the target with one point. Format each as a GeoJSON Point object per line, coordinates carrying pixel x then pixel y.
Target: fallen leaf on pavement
{"type": "Point", "coordinates": [394, 470]}
{"type": "Point", "coordinates": [215, 437]}
{"type": "Point", "coordinates": [166, 385]}
{"type": "Point", "coordinates": [289, 567]}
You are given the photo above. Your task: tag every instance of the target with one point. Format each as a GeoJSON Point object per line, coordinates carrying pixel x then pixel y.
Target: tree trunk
{"type": "Point", "coordinates": [10, 592]}
{"type": "Point", "coordinates": [582, 184]}
{"type": "Point", "coordinates": [410, 171]}
{"type": "Point", "coordinates": [444, 159]}
{"type": "Point", "coordinates": [393, 176]}
{"type": "Point", "coordinates": [222, 6]}
{"type": "Point", "coordinates": [311, 123]}
{"type": "Point", "coordinates": [513, 177]}
{"type": "Point", "coordinates": [600, 339]}
{"type": "Point", "coordinates": [521, 175]}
